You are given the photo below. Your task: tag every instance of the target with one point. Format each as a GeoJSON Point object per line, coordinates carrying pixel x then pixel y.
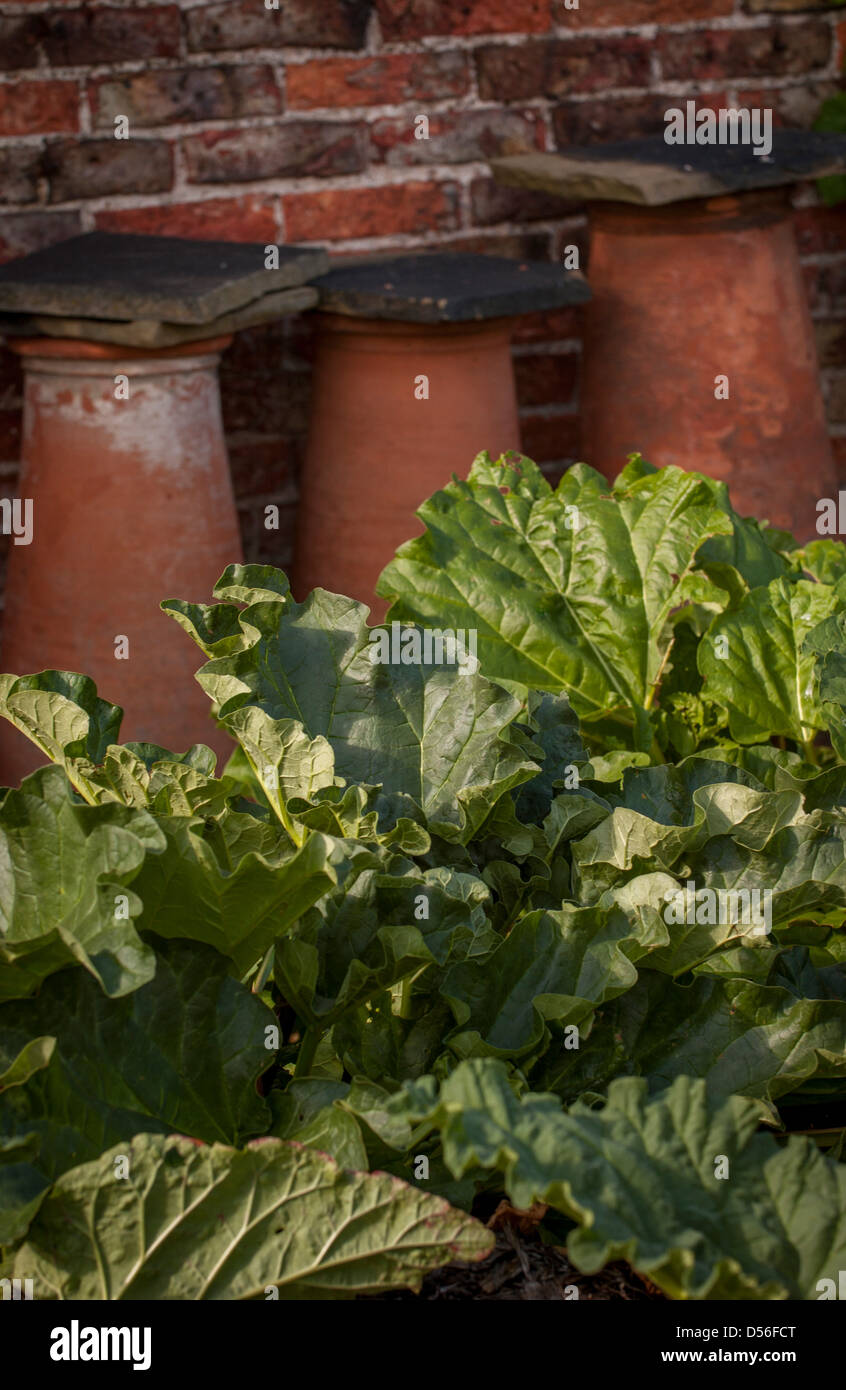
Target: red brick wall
{"type": "Point", "coordinates": [297, 124]}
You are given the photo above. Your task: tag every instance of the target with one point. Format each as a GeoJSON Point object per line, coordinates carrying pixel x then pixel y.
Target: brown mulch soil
{"type": "Point", "coordinates": [522, 1268]}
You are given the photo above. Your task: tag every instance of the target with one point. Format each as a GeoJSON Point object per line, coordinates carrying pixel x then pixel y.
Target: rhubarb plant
{"type": "Point", "coordinates": [568, 928]}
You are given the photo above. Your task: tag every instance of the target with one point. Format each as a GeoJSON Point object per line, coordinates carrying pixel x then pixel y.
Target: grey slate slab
{"type": "Point", "coordinates": [447, 288]}
{"type": "Point", "coordinates": [146, 333]}
{"type": "Point", "coordinates": [652, 173]}
{"type": "Point", "coordinates": [107, 275]}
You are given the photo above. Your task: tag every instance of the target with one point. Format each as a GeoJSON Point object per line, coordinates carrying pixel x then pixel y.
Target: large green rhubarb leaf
{"type": "Point", "coordinates": [750, 549]}
{"type": "Point", "coordinates": [824, 559]}
{"type": "Point", "coordinates": [32, 1057]}
{"type": "Point", "coordinates": [754, 663]}
{"type": "Point", "coordinates": [723, 837]}
{"type": "Point", "coordinates": [757, 1039]}
{"type": "Point", "coordinates": [555, 738]}
{"type": "Point", "coordinates": [433, 732]}
{"type": "Point", "coordinates": [22, 1186]}
{"type": "Point", "coordinates": [232, 882]}
{"type": "Point", "coordinates": [374, 1041]}
{"type": "Point", "coordinates": [802, 867]}
{"type": "Point", "coordinates": [64, 896]}
{"type": "Point", "coordinates": [65, 718]}
{"type": "Point", "coordinates": [364, 813]}
{"type": "Point", "coordinates": [311, 1113]}
{"type": "Point", "coordinates": [285, 760]}
{"type": "Point", "coordinates": [826, 645]}
{"type": "Point", "coordinates": [682, 1188]}
{"type": "Point", "coordinates": [576, 589]}
{"type": "Point", "coordinates": [213, 1223]}
{"type": "Point", "coordinates": [376, 929]}
{"type": "Point", "coordinates": [551, 972]}
{"type": "Point", "coordinates": [182, 1053]}
{"type": "Point", "coordinates": [669, 831]}
{"type": "Point", "coordinates": [692, 1197]}
{"type": "Point", "coordinates": [683, 933]}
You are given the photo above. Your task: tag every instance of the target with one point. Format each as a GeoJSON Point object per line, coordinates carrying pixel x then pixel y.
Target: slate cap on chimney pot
{"type": "Point", "coordinates": [447, 288]}
{"type": "Point", "coordinates": [652, 173]}
{"type": "Point", "coordinates": [112, 275]}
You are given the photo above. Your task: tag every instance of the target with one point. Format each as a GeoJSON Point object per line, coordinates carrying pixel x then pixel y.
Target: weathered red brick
{"type": "Point", "coordinates": [550, 326]}
{"type": "Point", "coordinates": [92, 34]}
{"type": "Point", "coordinates": [838, 446]}
{"type": "Point", "coordinates": [264, 547]}
{"type": "Point", "coordinates": [554, 470]}
{"type": "Point", "coordinates": [277, 401]}
{"type": "Point", "coordinates": [776, 50]}
{"type": "Point", "coordinates": [185, 94]}
{"type": "Point", "coordinates": [335, 214]}
{"type": "Point", "coordinates": [260, 466]}
{"type": "Point", "coordinates": [551, 435]}
{"type": "Point", "coordinates": [831, 342]}
{"type": "Point", "coordinates": [492, 202]}
{"type": "Point", "coordinates": [300, 338]}
{"type": "Point", "coordinates": [768, 6]}
{"type": "Point", "coordinates": [23, 232]}
{"type": "Point", "coordinates": [10, 439]}
{"type": "Point", "coordinates": [378, 81]}
{"type": "Point", "coordinates": [457, 137]}
{"type": "Point", "coordinates": [820, 229]}
{"type": "Point", "coordinates": [247, 24]}
{"type": "Point", "coordinates": [299, 148]}
{"type": "Point", "coordinates": [415, 19]}
{"type": "Point", "coordinates": [258, 549]}
{"type": "Point", "coordinates": [11, 379]}
{"type": "Point", "coordinates": [20, 40]}
{"type": "Point", "coordinates": [11, 393]}
{"type": "Point", "coordinates": [258, 351]}
{"type": "Point", "coordinates": [96, 168]}
{"type": "Point", "coordinates": [567, 237]}
{"type": "Point", "coordinates": [796, 108]}
{"type": "Point", "coordinates": [273, 547]}
{"type": "Point", "coordinates": [836, 403]}
{"type": "Point", "coordinates": [827, 285]}
{"type": "Point", "coordinates": [812, 277]}
{"type": "Point", "coordinates": [33, 108]}
{"type": "Point", "coordinates": [4, 557]}
{"type": "Point", "coordinates": [20, 168]}
{"type": "Point", "coordinates": [560, 67]}
{"type": "Point", "coordinates": [624, 118]}
{"type": "Point", "coordinates": [546, 378]}
{"type": "Point", "coordinates": [248, 218]}
{"type": "Point", "coordinates": [247, 525]}
{"type": "Point", "coordinates": [616, 13]}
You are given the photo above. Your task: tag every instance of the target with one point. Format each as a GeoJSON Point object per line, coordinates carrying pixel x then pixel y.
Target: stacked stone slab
{"type": "Point", "coordinates": [149, 291]}
{"type": "Point", "coordinates": [124, 462]}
